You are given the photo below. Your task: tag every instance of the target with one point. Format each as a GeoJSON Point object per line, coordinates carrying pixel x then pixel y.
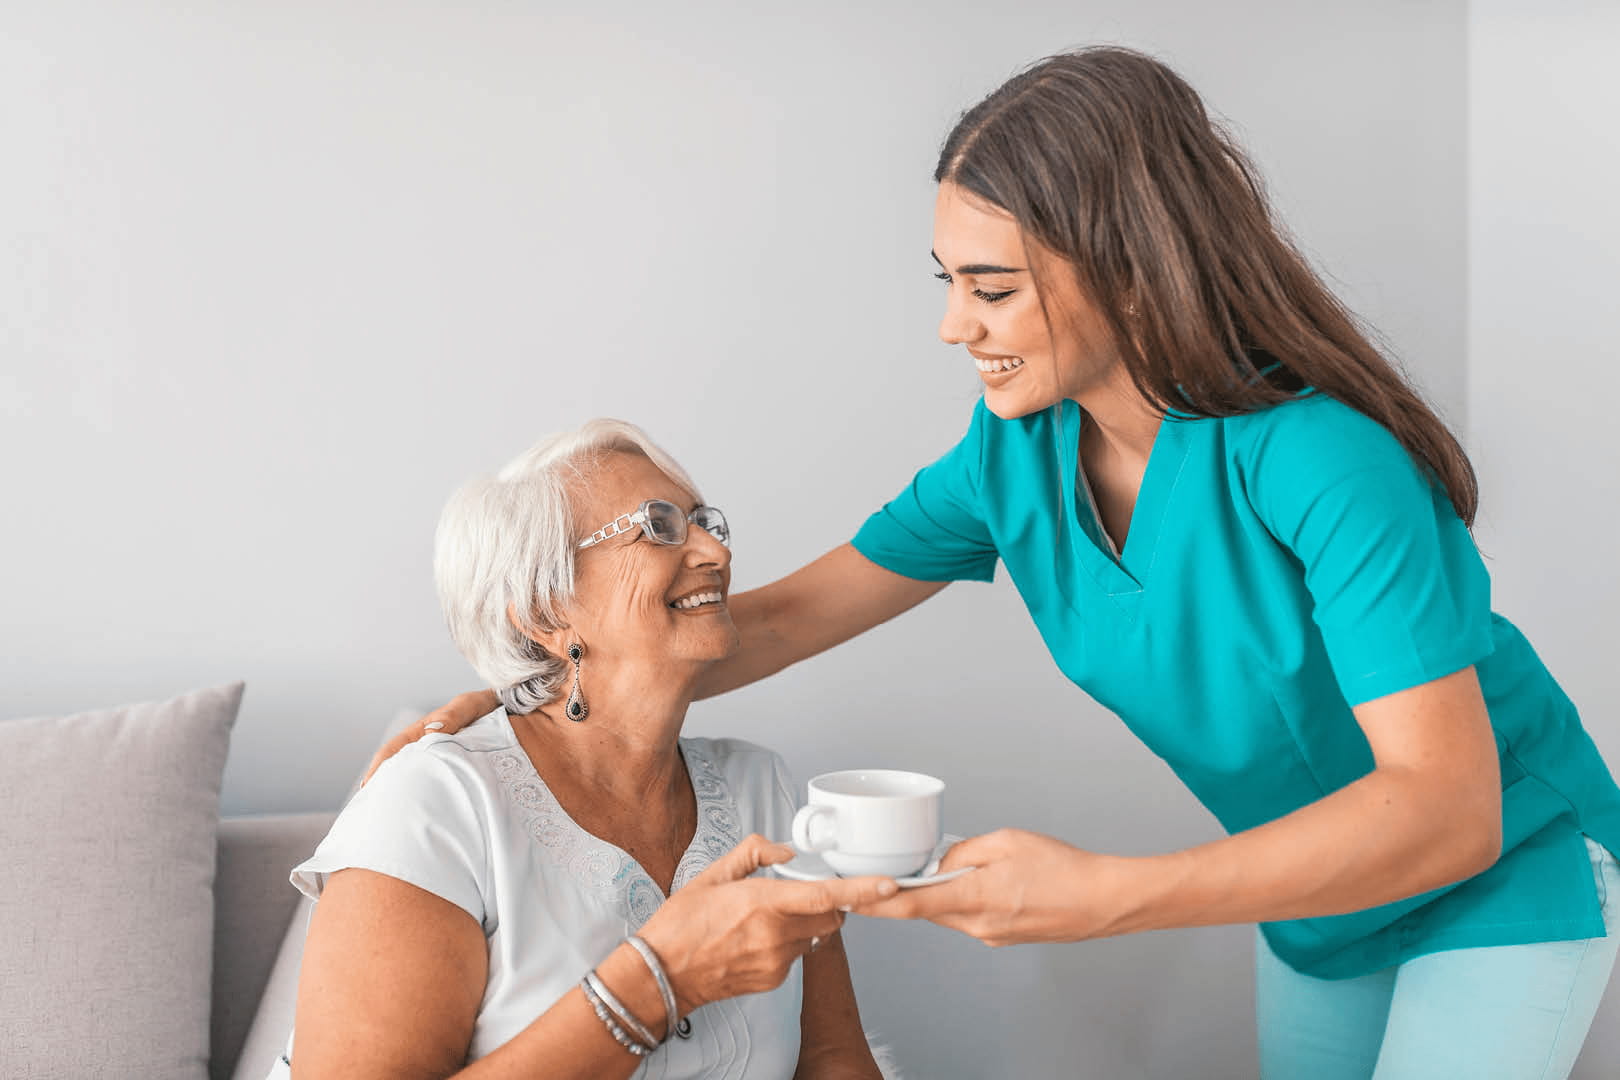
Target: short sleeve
{"type": "Point", "coordinates": [935, 530]}
{"type": "Point", "coordinates": [415, 820]}
{"type": "Point", "coordinates": [787, 792]}
{"type": "Point", "coordinates": [1398, 590]}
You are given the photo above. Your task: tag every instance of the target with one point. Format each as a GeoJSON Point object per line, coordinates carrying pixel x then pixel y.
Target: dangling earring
{"type": "Point", "coordinates": [576, 707]}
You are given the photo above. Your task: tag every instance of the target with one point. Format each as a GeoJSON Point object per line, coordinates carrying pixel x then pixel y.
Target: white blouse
{"type": "Point", "coordinates": [467, 818]}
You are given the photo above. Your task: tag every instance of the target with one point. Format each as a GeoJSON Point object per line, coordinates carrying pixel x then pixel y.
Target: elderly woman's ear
{"type": "Point", "coordinates": [554, 642]}
{"type": "Point", "coordinates": [561, 643]}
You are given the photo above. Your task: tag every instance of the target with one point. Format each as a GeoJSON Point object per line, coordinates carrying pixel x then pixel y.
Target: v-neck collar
{"type": "Point", "coordinates": [604, 868]}
{"type": "Point", "coordinates": [1127, 576]}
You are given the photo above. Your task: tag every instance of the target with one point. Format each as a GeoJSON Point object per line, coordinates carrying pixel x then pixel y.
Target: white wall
{"type": "Point", "coordinates": [287, 273]}
{"type": "Point", "coordinates": [1543, 359]}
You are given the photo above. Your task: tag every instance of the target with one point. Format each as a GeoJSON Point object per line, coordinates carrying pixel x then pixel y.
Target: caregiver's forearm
{"type": "Point", "coordinates": [1390, 835]}
{"type": "Point", "coordinates": [762, 651]}
{"type": "Point", "coordinates": [826, 603]}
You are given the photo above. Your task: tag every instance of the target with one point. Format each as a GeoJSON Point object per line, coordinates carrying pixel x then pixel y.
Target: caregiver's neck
{"type": "Point", "coordinates": [1122, 424]}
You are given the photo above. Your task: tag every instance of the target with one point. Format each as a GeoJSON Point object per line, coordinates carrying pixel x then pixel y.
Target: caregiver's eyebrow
{"type": "Point", "coordinates": [973, 269]}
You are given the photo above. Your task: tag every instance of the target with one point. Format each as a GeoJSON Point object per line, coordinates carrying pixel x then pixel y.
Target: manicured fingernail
{"type": "Point", "coordinates": [437, 725]}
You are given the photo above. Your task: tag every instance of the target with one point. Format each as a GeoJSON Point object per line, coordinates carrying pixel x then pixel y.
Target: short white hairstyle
{"type": "Point", "coordinates": [508, 541]}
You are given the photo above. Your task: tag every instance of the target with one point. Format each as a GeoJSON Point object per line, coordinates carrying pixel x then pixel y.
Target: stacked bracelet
{"type": "Point", "coordinates": [637, 1028]}
{"type": "Point", "coordinates": [673, 1024]}
{"type": "Point", "coordinates": [620, 1036]}
{"type": "Point", "coordinates": [611, 1011]}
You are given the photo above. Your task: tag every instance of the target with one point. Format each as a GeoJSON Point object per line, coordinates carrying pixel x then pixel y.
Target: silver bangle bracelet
{"type": "Point", "coordinates": [617, 1007]}
{"type": "Point", "coordinates": [614, 1029]}
{"type": "Point", "coordinates": [672, 1019]}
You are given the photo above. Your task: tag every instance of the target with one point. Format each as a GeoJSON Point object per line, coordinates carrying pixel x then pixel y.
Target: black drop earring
{"type": "Point", "coordinates": [576, 708]}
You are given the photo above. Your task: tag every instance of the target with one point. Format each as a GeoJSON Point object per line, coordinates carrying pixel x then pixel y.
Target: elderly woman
{"type": "Point", "coordinates": [562, 888]}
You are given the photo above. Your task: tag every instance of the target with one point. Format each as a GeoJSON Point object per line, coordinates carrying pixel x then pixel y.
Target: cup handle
{"type": "Point", "coordinates": [813, 828]}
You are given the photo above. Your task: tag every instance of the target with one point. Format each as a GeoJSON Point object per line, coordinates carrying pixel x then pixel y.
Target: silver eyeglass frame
{"type": "Point", "coordinates": [639, 518]}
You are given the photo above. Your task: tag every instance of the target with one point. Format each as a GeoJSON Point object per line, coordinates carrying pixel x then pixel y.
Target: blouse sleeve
{"type": "Point", "coordinates": [786, 800]}
{"type": "Point", "coordinates": [415, 820]}
{"type": "Point", "coordinates": [935, 530]}
{"type": "Point", "coordinates": [1399, 592]}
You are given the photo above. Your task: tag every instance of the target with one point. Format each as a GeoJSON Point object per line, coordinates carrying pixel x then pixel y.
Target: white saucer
{"type": "Point", "coordinates": [808, 866]}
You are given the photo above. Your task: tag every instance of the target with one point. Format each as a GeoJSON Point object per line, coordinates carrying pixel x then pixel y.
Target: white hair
{"type": "Point", "coordinates": [508, 542]}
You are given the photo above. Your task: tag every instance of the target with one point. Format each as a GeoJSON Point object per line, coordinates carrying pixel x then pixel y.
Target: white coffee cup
{"type": "Point", "coordinates": [871, 821]}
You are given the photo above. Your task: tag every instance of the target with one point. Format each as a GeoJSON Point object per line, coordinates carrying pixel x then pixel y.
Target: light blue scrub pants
{"type": "Point", "coordinates": [1508, 1012]}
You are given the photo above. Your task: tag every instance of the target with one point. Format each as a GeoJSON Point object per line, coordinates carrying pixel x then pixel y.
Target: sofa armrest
{"type": "Point", "coordinates": [253, 904]}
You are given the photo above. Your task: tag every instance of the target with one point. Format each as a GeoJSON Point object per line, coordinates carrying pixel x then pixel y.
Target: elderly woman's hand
{"type": "Point", "coordinates": [449, 718]}
{"type": "Point", "coordinates": [726, 934]}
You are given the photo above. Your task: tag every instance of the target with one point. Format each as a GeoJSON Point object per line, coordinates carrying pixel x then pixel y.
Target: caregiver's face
{"type": "Point", "coordinates": [992, 307]}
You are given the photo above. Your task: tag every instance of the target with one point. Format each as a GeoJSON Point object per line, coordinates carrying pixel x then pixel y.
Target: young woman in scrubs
{"type": "Point", "coordinates": [1418, 822]}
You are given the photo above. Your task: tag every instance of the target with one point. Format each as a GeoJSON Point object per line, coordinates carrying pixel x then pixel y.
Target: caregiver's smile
{"type": "Point", "coordinates": [992, 365]}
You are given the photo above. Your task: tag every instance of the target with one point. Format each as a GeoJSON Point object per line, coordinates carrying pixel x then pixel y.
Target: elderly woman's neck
{"type": "Point", "coordinates": [628, 741]}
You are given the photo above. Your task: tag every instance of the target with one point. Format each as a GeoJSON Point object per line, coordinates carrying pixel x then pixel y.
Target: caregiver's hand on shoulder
{"type": "Point", "coordinates": [449, 718]}
{"type": "Point", "coordinates": [1027, 888]}
{"type": "Point", "coordinates": [726, 934]}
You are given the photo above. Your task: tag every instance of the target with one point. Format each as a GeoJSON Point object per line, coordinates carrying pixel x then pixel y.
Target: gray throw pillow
{"type": "Point", "coordinates": [107, 840]}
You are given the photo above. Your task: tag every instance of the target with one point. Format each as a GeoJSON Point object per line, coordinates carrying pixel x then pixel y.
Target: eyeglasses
{"type": "Point", "coordinates": [664, 523]}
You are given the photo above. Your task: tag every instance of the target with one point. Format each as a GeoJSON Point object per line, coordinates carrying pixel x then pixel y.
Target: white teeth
{"type": "Point", "coordinates": [990, 367]}
{"type": "Point", "coordinates": [686, 603]}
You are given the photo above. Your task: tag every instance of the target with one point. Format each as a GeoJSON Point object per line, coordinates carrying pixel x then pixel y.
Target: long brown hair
{"type": "Point", "coordinates": [1110, 159]}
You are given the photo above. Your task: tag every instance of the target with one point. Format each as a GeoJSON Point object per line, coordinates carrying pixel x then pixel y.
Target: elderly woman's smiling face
{"type": "Point", "coordinates": [633, 597]}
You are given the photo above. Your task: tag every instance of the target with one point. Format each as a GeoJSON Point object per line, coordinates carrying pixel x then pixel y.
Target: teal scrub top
{"type": "Point", "coordinates": [1280, 568]}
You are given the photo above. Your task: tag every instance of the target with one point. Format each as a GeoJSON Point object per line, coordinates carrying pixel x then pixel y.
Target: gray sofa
{"type": "Point", "coordinates": [144, 935]}
{"type": "Point", "coordinates": [259, 919]}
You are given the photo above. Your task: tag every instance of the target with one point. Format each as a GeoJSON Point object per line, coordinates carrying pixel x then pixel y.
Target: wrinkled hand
{"type": "Point", "coordinates": [1027, 888]}
{"type": "Point", "coordinates": [448, 718]}
{"type": "Point", "coordinates": [726, 934]}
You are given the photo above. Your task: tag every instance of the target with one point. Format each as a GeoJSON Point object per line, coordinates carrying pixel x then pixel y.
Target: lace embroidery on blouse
{"type": "Point", "coordinates": [616, 879]}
